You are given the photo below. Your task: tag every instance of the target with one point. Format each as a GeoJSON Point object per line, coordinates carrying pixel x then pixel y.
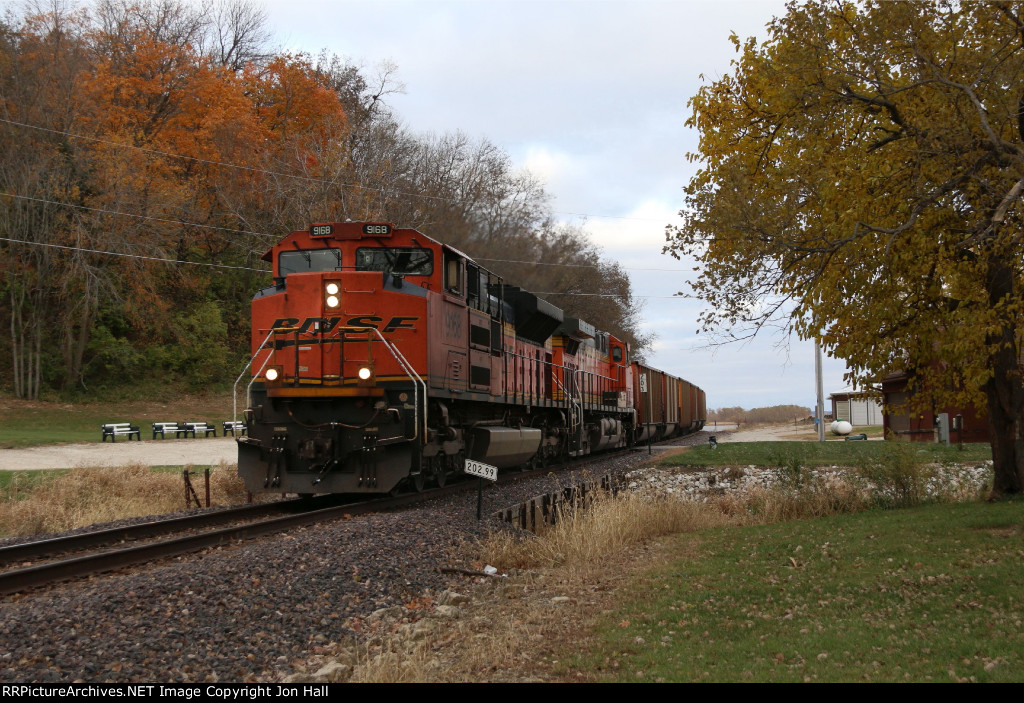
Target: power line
{"type": "Point", "coordinates": [249, 268]}
{"type": "Point", "coordinates": [281, 174]}
{"type": "Point", "coordinates": [277, 237]}
{"type": "Point", "coordinates": [138, 217]}
{"type": "Point", "coordinates": [687, 296]}
{"type": "Point", "coordinates": [593, 266]}
{"type": "Point", "coordinates": [131, 256]}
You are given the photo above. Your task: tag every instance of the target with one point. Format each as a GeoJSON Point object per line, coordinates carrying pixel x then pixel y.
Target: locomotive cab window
{"type": "Point", "coordinates": [617, 355]}
{"type": "Point", "coordinates": [404, 262]}
{"type": "Point", "coordinates": [477, 286]}
{"type": "Point", "coordinates": [452, 274]}
{"type": "Point", "coordinates": [308, 260]}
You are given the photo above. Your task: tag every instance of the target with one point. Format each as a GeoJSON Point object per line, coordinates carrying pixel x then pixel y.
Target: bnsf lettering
{"type": "Point", "coordinates": [314, 324]}
{"type": "Point", "coordinates": [366, 321]}
{"type": "Point", "coordinates": [400, 323]}
{"type": "Point", "coordinates": [320, 324]}
{"type": "Point", "coordinates": [325, 325]}
{"type": "Point", "coordinates": [396, 323]}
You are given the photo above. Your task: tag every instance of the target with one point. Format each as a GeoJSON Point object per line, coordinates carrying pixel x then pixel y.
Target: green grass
{"type": "Point", "coordinates": [15, 485]}
{"type": "Point", "coordinates": [26, 424]}
{"type": "Point", "coordinates": [933, 593]}
{"type": "Point", "coordinates": [816, 454]}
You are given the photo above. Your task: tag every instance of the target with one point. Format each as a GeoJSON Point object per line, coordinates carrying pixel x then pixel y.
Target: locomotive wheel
{"type": "Point", "coordinates": [417, 482]}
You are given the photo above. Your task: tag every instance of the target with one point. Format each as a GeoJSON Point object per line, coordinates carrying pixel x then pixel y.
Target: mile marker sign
{"type": "Point", "coordinates": [477, 468]}
{"type": "Point", "coordinates": [481, 471]}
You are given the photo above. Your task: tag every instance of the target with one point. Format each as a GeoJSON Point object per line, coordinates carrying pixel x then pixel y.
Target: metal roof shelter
{"type": "Point", "coordinates": [861, 408]}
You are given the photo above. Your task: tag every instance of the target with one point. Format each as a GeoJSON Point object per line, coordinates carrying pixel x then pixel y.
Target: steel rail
{"type": "Point", "coordinates": [18, 580]}
{"type": "Point", "coordinates": [154, 528]}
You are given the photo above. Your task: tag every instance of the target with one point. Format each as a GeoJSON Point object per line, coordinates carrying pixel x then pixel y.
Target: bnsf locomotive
{"type": "Point", "coordinates": [384, 358]}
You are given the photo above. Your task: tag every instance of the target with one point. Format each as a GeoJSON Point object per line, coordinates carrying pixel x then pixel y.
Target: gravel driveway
{"type": "Point", "coordinates": [156, 452]}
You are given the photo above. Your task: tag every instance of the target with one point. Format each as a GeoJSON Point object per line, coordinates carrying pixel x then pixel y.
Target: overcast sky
{"type": "Point", "coordinates": [591, 97]}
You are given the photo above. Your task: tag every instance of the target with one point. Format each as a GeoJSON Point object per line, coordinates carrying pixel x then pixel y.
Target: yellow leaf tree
{"type": "Point", "coordinates": [860, 183]}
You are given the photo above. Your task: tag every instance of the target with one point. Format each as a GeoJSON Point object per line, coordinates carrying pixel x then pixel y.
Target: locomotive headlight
{"type": "Point", "coordinates": [273, 373]}
{"type": "Point", "coordinates": [332, 293]}
{"type": "Point", "coordinates": [365, 375]}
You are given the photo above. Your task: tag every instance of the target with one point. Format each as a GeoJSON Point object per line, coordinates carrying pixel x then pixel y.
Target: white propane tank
{"type": "Point", "coordinates": [841, 428]}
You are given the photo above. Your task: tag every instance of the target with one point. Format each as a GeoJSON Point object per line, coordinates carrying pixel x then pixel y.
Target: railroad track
{"type": "Point", "coordinates": [77, 556]}
{"type": "Point", "coordinates": [105, 550]}
{"type": "Point", "coordinates": [35, 564]}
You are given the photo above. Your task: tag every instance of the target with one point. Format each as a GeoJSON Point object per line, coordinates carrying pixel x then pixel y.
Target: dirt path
{"type": "Point", "coordinates": [787, 432]}
{"type": "Point", "coordinates": [770, 433]}
{"type": "Point", "coordinates": [158, 452]}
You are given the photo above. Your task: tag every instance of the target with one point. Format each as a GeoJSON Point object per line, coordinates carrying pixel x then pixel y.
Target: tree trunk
{"type": "Point", "coordinates": [1004, 391]}
{"type": "Point", "coordinates": [1005, 432]}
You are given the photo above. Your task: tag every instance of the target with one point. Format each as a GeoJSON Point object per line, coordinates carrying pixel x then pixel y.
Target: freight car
{"type": "Point", "coordinates": [382, 358]}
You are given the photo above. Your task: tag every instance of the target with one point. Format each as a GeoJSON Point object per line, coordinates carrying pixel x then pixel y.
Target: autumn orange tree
{"type": "Point", "coordinates": [860, 183]}
{"type": "Point", "coordinates": [120, 135]}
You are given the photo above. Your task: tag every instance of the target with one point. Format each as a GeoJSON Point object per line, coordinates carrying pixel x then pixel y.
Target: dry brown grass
{"type": "Point", "coordinates": [397, 665]}
{"type": "Point", "coordinates": [85, 496]}
{"type": "Point", "coordinates": [514, 631]}
{"type": "Point", "coordinates": [585, 536]}
{"type": "Point", "coordinates": [832, 495]}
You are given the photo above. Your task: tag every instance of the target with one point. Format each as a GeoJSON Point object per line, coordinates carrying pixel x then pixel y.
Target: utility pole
{"type": "Point", "coordinates": [820, 411]}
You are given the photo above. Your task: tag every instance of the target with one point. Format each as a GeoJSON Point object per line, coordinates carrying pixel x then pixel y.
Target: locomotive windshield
{"type": "Point", "coordinates": [307, 260]}
{"type": "Point", "coordinates": [404, 262]}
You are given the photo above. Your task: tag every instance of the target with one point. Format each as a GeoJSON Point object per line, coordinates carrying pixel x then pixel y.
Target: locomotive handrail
{"type": "Point", "coordinates": [248, 389]}
{"type": "Point", "coordinates": [407, 368]}
{"type": "Point", "coordinates": [573, 403]}
{"type": "Point", "coordinates": [559, 366]}
{"type": "Point", "coordinates": [417, 381]}
{"type": "Point", "coordinates": [413, 376]}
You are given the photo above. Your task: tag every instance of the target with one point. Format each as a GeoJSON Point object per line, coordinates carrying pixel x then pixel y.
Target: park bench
{"type": "Point", "coordinates": [113, 429]}
{"type": "Point", "coordinates": [233, 426]}
{"type": "Point", "coordinates": [162, 428]}
{"type": "Point", "coordinates": [204, 427]}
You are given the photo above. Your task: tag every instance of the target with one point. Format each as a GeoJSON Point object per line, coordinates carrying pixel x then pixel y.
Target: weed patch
{"type": "Point", "coordinates": [34, 502]}
{"type": "Point", "coordinates": [585, 535]}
